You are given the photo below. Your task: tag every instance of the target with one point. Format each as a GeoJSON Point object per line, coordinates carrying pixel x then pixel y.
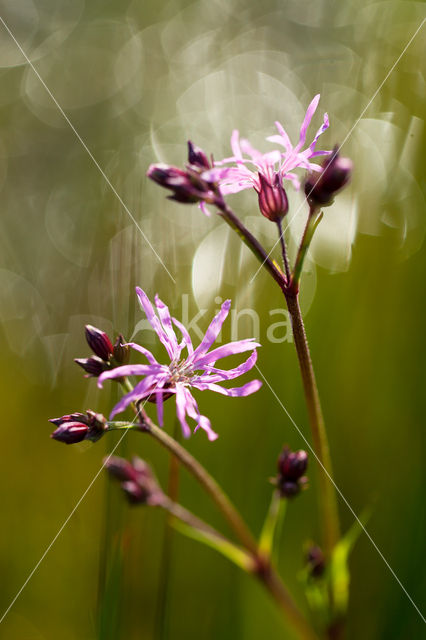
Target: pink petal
{"type": "Point", "coordinates": [307, 121]}
{"type": "Point", "coordinates": [235, 145]}
{"type": "Point", "coordinates": [320, 131]}
{"type": "Point", "coordinates": [186, 337]}
{"type": "Point", "coordinates": [225, 350]}
{"type": "Point", "coordinates": [133, 395]}
{"type": "Point", "coordinates": [212, 332]}
{"type": "Point", "coordinates": [234, 392]}
{"type": "Point", "coordinates": [282, 139]}
{"type": "Point", "coordinates": [181, 410]}
{"type": "Point", "coordinates": [166, 321]}
{"type": "Point", "coordinates": [154, 321]}
{"type": "Point", "coordinates": [202, 421]}
{"type": "Point", "coordinates": [218, 375]}
{"type": "Point", "coordinates": [148, 355]}
{"type": "Point", "coordinates": [130, 370]}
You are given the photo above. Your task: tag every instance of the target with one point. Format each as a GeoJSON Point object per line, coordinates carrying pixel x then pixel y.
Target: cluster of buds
{"type": "Point", "coordinates": [315, 561]}
{"type": "Point", "coordinates": [292, 466]}
{"type": "Point", "coordinates": [335, 173]}
{"type": "Point", "coordinates": [137, 480]}
{"type": "Point", "coordinates": [77, 427]}
{"type": "Point", "coordinates": [272, 197]}
{"type": "Point", "coordinates": [106, 355]}
{"type": "Point", "coordinates": [187, 185]}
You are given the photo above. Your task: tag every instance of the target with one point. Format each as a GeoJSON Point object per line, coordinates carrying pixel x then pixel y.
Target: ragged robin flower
{"type": "Point", "coordinates": [265, 172]}
{"type": "Point", "coordinates": [194, 370]}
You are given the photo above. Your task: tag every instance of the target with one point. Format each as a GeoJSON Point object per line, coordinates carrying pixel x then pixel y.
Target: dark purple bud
{"type": "Point", "coordinates": [99, 342]}
{"type": "Point", "coordinates": [167, 176]}
{"type": "Point", "coordinates": [94, 365]}
{"type": "Point", "coordinates": [315, 561]}
{"type": "Point", "coordinates": [72, 417]}
{"type": "Point", "coordinates": [292, 464]}
{"type": "Point", "coordinates": [288, 488]}
{"type": "Point", "coordinates": [121, 351]}
{"type": "Point", "coordinates": [137, 480]}
{"type": "Point", "coordinates": [320, 188]}
{"type": "Point", "coordinates": [187, 186]}
{"type": "Point", "coordinates": [76, 427]}
{"type": "Point", "coordinates": [197, 157]}
{"type": "Point", "coordinates": [273, 203]}
{"type": "Point", "coordinates": [70, 432]}
{"type": "Point", "coordinates": [135, 493]}
{"type": "Point", "coordinates": [97, 425]}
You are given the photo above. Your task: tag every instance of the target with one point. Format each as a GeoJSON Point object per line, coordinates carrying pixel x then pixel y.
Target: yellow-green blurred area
{"type": "Point", "coordinates": [136, 80]}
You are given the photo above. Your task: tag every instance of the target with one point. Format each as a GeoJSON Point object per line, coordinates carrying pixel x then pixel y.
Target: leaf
{"type": "Point", "coordinates": [339, 569]}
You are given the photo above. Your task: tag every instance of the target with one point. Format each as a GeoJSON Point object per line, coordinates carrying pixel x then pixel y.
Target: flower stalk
{"type": "Point", "coordinates": [327, 494]}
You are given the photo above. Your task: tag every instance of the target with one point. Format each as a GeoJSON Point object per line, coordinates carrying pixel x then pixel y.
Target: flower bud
{"type": "Point", "coordinates": [292, 464]}
{"type": "Point", "coordinates": [335, 173]}
{"type": "Point", "coordinates": [121, 351]}
{"type": "Point", "coordinates": [187, 186]}
{"type": "Point", "coordinates": [70, 432]}
{"type": "Point", "coordinates": [291, 467]}
{"type": "Point", "coordinates": [315, 561]}
{"type": "Point", "coordinates": [76, 427]}
{"type": "Point", "coordinates": [137, 480]}
{"type": "Point", "coordinates": [99, 342]}
{"type": "Point", "coordinates": [93, 366]}
{"type": "Point", "coordinates": [273, 203]}
{"type": "Point", "coordinates": [197, 157]}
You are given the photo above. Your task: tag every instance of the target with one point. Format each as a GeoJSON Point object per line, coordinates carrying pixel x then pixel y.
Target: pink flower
{"type": "Point", "coordinates": [197, 370]}
{"type": "Point", "coordinates": [271, 164]}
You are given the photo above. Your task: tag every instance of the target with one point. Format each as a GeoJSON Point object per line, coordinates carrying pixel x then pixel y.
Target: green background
{"type": "Point", "coordinates": [136, 79]}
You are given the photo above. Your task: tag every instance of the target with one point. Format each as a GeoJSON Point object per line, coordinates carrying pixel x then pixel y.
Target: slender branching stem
{"type": "Point", "coordinates": [284, 251]}
{"type": "Point", "coordinates": [252, 243]}
{"type": "Point", "coordinates": [225, 505]}
{"type": "Point", "coordinates": [290, 287]}
{"type": "Point", "coordinates": [314, 218]}
{"type": "Point", "coordinates": [326, 489]}
{"type": "Point", "coordinates": [260, 567]}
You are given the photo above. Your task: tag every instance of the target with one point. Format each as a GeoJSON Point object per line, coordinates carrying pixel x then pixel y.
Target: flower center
{"type": "Point", "coordinates": [180, 371]}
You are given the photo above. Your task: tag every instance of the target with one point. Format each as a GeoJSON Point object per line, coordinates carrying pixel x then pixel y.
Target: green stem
{"type": "Point", "coordinates": [275, 514]}
{"type": "Point", "coordinates": [263, 570]}
{"type": "Point", "coordinates": [208, 482]}
{"type": "Point", "coordinates": [284, 251]}
{"type": "Point", "coordinates": [311, 225]}
{"type": "Point", "coordinates": [251, 242]}
{"type": "Point", "coordinates": [326, 490]}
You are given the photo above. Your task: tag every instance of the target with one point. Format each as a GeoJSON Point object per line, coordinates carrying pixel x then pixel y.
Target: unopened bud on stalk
{"type": "Point", "coordinates": [77, 427]}
{"type": "Point", "coordinates": [273, 203]}
{"type": "Point", "coordinates": [187, 184]}
{"type": "Point", "coordinates": [93, 366]}
{"type": "Point", "coordinates": [99, 342]}
{"type": "Point", "coordinates": [137, 480]}
{"type": "Point", "coordinates": [291, 468]}
{"type": "Point", "coordinates": [315, 561]}
{"type": "Point", "coordinates": [335, 173]}
{"type": "Point", "coordinates": [121, 351]}
{"type": "Point", "coordinates": [197, 157]}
